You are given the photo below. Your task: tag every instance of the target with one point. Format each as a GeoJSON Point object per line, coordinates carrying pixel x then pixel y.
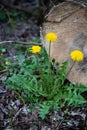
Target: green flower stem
{"type": "Point", "coordinates": [70, 68]}
{"type": "Point", "coordinates": [50, 78]}
{"type": "Point", "coordinates": [49, 49]}
{"type": "Point", "coordinates": [68, 72]}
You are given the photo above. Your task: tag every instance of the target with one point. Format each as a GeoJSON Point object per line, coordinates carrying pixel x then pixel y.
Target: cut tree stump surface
{"type": "Point", "coordinates": [69, 21]}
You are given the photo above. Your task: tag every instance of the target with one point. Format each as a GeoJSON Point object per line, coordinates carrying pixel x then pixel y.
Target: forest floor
{"type": "Point", "coordinates": [14, 114]}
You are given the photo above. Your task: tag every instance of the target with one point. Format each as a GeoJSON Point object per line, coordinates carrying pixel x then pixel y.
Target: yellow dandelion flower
{"type": "Point", "coordinates": [77, 55]}
{"type": "Point", "coordinates": [35, 49]}
{"type": "Point", "coordinates": [6, 62]}
{"type": "Point", "coordinates": [51, 37]}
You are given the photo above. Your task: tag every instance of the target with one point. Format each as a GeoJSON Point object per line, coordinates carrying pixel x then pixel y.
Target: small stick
{"type": "Point", "coordinates": [2, 71]}
{"type": "Point", "coordinates": [28, 43]}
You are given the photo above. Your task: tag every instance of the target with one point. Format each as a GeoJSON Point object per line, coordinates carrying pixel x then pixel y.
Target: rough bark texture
{"type": "Point", "coordinates": [69, 21]}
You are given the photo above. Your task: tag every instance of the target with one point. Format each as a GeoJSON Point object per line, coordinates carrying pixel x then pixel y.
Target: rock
{"type": "Point", "coordinates": [69, 21]}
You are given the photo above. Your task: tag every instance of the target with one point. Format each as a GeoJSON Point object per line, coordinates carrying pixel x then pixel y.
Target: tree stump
{"type": "Point", "coordinates": [69, 21]}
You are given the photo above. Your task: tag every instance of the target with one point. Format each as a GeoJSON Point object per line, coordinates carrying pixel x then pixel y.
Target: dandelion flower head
{"type": "Point", "coordinates": [35, 49]}
{"type": "Point", "coordinates": [77, 55]}
{"type": "Point", "coordinates": [6, 62]}
{"type": "Point", "coordinates": [51, 37]}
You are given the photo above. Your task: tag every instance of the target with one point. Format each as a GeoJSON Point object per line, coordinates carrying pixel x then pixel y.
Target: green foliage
{"type": "Point", "coordinates": [3, 15]}
{"type": "Point", "coordinates": [44, 109]}
{"type": "Point", "coordinates": [41, 81]}
{"type": "Point", "coordinates": [1, 62]}
{"type": "Point", "coordinates": [13, 13]}
{"type": "Point", "coordinates": [13, 16]}
{"type": "Point", "coordinates": [3, 59]}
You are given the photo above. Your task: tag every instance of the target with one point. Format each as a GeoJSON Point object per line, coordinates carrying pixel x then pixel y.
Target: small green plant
{"type": "Point", "coordinates": [12, 16]}
{"type": "Point", "coordinates": [39, 80]}
{"type": "Point", "coordinates": [3, 60]}
{"type": "Point", "coordinates": [3, 16]}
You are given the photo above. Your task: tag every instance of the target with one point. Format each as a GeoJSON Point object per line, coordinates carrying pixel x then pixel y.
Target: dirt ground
{"type": "Point", "coordinates": [14, 114]}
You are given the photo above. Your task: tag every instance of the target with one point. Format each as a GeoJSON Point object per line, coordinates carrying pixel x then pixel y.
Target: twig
{"type": "Point", "coordinates": [17, 114]}
{"type": "Point", "coordinates": [28, 43]}
{"type": "Point", "coordinates": [60, 123]}
{"type": "Point", "coordinates": [2, 71]}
